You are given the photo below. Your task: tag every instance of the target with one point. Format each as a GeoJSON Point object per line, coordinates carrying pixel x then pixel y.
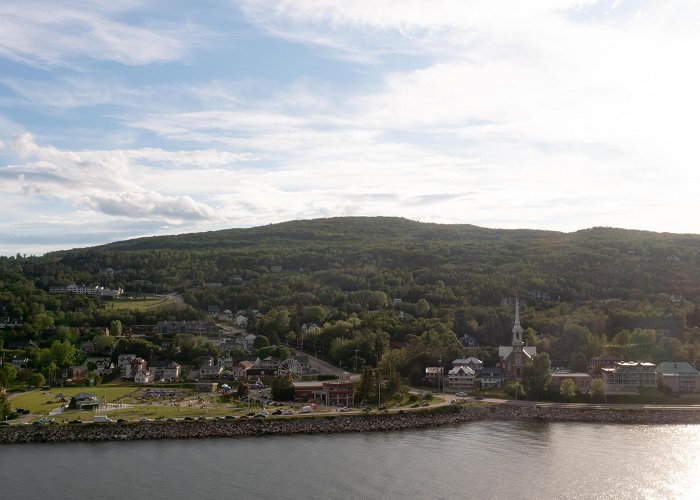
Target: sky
{"type": "Point", "coordinates": [139, 118]}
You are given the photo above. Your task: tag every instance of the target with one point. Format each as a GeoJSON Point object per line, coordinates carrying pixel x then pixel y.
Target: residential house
{"type": "Point", "coordinates": [460, 378]}
{"type": "Point", "coordinates": [87, 346]}
{"type": "Point", "coordinates": [240, 321]}
{"type": "Point", "coordinates": [515, 356]}
{"type": "Point", "coordinates": [472, 362]}
{"type": "Point", "coordinates": [240, 370]}
{"type": "Point", "coordinates": [491, 377]}
{"type": "Point", "coordinates": [679, 377]}
{"type": "Point", "coordinates": [309, 327]}
{"type": "Point", "coordinates": [136, 365]}
{"type": "Point", "coordinates": [245, 342]}
{"type": "Point", "coordinates": [143, 377]}
{"type": "Point", "coordinates": [582, 381]}
{"type": "Point", "coordinates": [627, 376]}
{"type": "Point", "coordinates": [76, 374]}
{"type": "Point", "coordinates": [20, 361]}
{"type": "Point", "coordinates": [433, 375]}
{"type": "Point", "coordinates": [469, 342]}
{"type": "Point", "coordinates": [123, 362]}
{"type": "Point", "coordinates": [166, 370]}
{"type": "Point", "coordinates": [269, 363]}
{"type": "Point", "coordinates": [103, 367]}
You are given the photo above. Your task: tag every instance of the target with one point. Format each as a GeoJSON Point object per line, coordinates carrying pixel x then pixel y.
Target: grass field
{"type": "Point", "coordinates": [41, 402]}
{"type": "Point", "coordinates": [142, 303]}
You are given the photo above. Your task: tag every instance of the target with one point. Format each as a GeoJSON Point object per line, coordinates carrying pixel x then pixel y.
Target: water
{"type": "Point", "coordinates": [483, 459]}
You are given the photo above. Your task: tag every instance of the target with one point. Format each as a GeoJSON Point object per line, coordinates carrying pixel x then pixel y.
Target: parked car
{"type": "Point", "coordinates": [277, 412]}
{"type": "Point", "coordinates": [345, 409]}
{"type": "Point", "coordinates": [262, 414]}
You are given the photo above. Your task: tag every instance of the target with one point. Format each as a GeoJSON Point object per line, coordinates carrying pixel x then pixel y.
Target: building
{"type": "Point", "coordinates": [582, 381]}
{"type": "Point", "coordinates": [472, 362]}
{"type": "Point", "coordinates": [469, 342]}
{"type": "Point", "coordinates": [679, 377]}
{"type": "Point", "coordinates": [433, 375]}
{"type": "Point", "coordinates": [460, 378]}
{"type": "Point", "coordinates": [491, 377]}
{"type": "Point", "coordinates": [98, 291]}
{"type": "Point", "coordinates": [328, 392]}
{"type": "Point", "coordinates": [143, 377]}
{"type": "Point", "coordinates": [84, 401]}
{"type": "Point", "coordinates": [206, 386]}
{"type": "Point", "coordinates": [166, 370]}
{"type": "Point", "coordinates": [603, 361]}
{"type": "Point", "coordinates": [628, 376]}
{"type": "Point", "coordinates": [240, 370]}
{"type": "Point", "coordinates": [515, 356]}
{"type": "Point", "coordinates": [135, 365]}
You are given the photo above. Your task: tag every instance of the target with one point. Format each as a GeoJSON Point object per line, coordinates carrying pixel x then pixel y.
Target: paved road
{"type": "Point", "coordinates": [325, 367]}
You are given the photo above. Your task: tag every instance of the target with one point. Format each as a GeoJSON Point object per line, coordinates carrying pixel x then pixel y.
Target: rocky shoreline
{"type": "Point", "coordinates": [339, 423]}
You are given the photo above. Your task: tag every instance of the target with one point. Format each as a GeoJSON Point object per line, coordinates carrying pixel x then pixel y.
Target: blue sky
{"type": "Point", "coordinates": [132, 118]}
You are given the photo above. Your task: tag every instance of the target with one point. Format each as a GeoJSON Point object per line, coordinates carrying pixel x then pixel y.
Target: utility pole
{"type": "Point", "coordinates": [356, 351]}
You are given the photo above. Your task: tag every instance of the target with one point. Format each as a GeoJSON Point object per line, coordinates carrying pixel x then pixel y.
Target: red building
{"type": "Point", "coordinates": [328, 392]}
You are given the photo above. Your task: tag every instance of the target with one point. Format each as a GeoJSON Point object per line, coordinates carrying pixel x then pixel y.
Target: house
{"type": "Point", "coordinates": [309, 327]}
{"type": "Point", "coordinates": [603, 361]}
{"type": "Point", "coordinates": [469, 342]}
{"type": "Point", "coordinates": [213, 309]}
{"type": "Point", "coordinates": [135, 365]}
{"type": "Point", "coordinates": [20, 361]}
{"type": "Point", "coordinates": [627, 376]}
{"type": "Point", "coordinates": [245, 342]}
{"type": "Point", "coordinates": [491, 377]}
{"type": "Point", "coordinates": [515, 356]}
{"type": "Point", "coordinates": [582, 381]}
{"type": "Point", "coordinates": [472, 362]}
{"type": "Point", "coordinates": [269, 363]}
{"type": "Point", "coordinates": [433, 375]}
{"type": "Point", "coordinates": [240, 321]}
{"type": "Point", "coordinates": [240, 370]}
{"type": "Point", "coordinates": [165, 370]}
{"type": "Point", "coordinates": [679, 377]}
{"type": "Point", "coordinates": [103, 367]}
{"type": "Point", "coordinates": [209, 372]}
{"type": "Point", "coordinates": [460, 378]}
{"type": "Point", "coordinates": [74, 373]}
{"type": "Point", "coordinates": [123, 363]}
{"type": "Point", "coordinates": [143, 377]}
{"type": "Point", "coordinates": [87, 346]}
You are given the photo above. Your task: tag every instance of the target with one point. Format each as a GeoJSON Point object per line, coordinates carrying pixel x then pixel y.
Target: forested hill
{"type": "Point", "coordinates": [484, 264]}
{"type": "Point", "coordinates": [369, 281]}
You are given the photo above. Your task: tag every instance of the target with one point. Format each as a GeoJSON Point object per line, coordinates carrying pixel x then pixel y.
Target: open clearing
{"type": "Point", "coordinates": [142, 303]}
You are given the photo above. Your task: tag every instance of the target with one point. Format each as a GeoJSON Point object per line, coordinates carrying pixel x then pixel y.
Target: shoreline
{"type": "Point", "coordinates": [328, 424]}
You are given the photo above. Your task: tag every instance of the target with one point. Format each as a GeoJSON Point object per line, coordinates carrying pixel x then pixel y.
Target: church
{"type": "Point", "coordinates": [513, 357]}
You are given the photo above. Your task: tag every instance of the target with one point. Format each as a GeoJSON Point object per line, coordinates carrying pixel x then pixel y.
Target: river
{"type": "Point", "coordinates": [485, 459]}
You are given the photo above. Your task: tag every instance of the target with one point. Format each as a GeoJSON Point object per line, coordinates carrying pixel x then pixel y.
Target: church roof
{"type": "Point", "coordinates": [505, 350]}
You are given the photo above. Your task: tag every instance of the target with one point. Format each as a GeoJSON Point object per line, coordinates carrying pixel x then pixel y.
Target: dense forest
{"type": "Point", "coordinates": [375, 283]}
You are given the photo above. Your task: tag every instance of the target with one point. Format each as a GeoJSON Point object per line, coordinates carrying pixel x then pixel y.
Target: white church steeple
{"type": "Point", "coordinates": [517, 329]}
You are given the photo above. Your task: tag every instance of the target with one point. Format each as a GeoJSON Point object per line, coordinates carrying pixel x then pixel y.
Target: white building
{"type": "Point", "coordinates": [460, 378]}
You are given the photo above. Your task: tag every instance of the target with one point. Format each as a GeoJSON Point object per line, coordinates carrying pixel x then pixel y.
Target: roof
{"type": "Point", "coordinates": [571, 375]}
{"type": "Point", "coordinates": [505, 350]}
{"type": "Point", "coordinates": [676, 368]}
{"type": "Point", "coordinates": [467, 361]}
{"type": "Point", "coordinates": [84, 395]}
{"type": "Point", "coordinates": [433, 369]}
{"type": "Point", "coordinates": [465, 370]}
{"type": "Point", "coordinates": [492, 371]}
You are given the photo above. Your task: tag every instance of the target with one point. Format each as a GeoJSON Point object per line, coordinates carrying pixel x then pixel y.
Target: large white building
{"type": "Point", "coordinates": [98, 291]}
{"type": "Point", "coordinates": [460, 378]}
{"type": "Point", "coordinates": [628, 376]}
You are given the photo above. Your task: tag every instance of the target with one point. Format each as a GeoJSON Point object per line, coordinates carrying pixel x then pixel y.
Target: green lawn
{"type": "Point", "coordinates": [41, 402]}
{"type": "Point", "coordinates": [141, 303]}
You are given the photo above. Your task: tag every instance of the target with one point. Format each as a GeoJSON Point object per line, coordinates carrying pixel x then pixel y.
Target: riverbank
{"type": "Point", "coordinates": [418, 419]}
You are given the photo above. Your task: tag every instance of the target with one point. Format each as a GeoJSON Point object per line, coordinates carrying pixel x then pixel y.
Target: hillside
{"type": "Point", "coordinates": [369, 281]}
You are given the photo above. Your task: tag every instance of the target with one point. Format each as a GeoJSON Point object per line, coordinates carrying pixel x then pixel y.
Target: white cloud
{"type": "Point", "coordinates": [42, 32]}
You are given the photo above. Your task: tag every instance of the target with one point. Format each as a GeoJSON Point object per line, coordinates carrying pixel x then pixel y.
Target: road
{"type": "Point", "coordinates": [324, 367]}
